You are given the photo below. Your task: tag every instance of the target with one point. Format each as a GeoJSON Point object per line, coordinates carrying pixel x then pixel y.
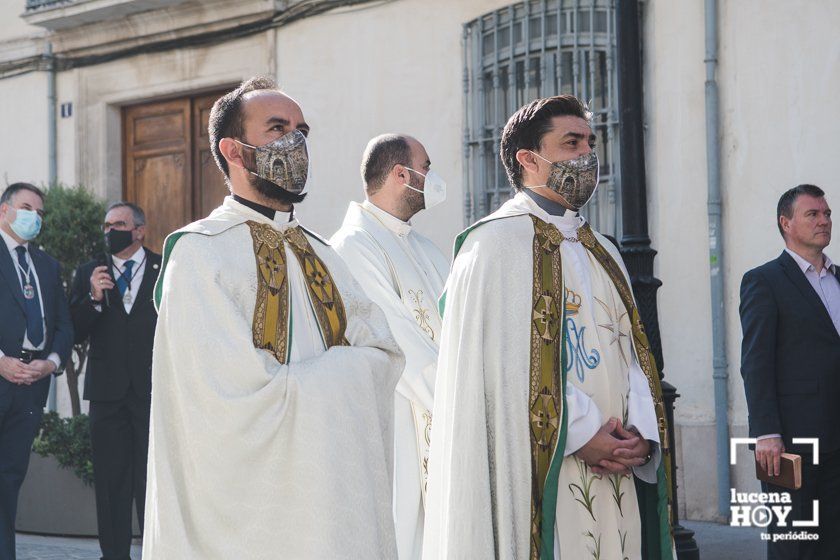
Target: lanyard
{"type": "Point", "coordinates": [26, 274]}
{"type": "Point", "coordinates": [133, 273]}
{"type": "Point", "coordinates": [27, 277]}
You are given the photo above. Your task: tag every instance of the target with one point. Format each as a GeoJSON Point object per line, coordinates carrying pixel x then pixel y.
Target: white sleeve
{"type": "Point", "coordinates": [641, 415]}
{"type": "Point", "coordinates": [55, 359]}
{"type": "Point", "coordinates": [584, 419]}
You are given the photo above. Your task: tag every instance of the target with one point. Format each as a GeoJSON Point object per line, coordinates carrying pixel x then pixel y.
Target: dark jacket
{"type": "Point", "coordinates": [59, 329]}
{"type": "Point", "coordinates": [121, 343]}
{"type": "Point", "coordinates": [790, 357]}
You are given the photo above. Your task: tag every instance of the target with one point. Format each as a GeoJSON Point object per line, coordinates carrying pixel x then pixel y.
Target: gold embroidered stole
{"type": "Point", "coordinates": [640, 340]}
{"type": "Point", "coordinates": [271, 324]}
{"type": "Point", "coordinates": [546, 395]}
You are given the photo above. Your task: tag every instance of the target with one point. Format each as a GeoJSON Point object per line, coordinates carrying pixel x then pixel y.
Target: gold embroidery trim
{"type": "Point", "coordinates": [640, 339]}
{"type": "Point", "coordinates": [325, 297]}
{"type": "Point", "coordinates": [545, 388]}
{"type": "Point", "coordinates": [270, 328]}
{"type": "Point", "coordinates": [271, 314]}
{"type": "Point", "coordinates": [421, 314]}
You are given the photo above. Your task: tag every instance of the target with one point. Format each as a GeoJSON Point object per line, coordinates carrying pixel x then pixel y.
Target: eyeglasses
{"type": "Point", "coordinates": [108, 226]}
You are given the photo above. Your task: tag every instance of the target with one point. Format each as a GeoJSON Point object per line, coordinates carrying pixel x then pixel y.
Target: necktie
{"type": "Point", "coordinates": [125, 278]}
{"type": "Point", "coordinates": [32, 305]}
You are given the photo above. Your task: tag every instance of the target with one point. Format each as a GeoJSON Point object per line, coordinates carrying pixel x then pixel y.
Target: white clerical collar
{"type": "Point", "coordinates": [804, 265]}
{"type": "Point", "coordinates": [137, 257]}
{"type": "Point", "coordinates": [391, 222]}
{"type": "Point", "coordinates": [12, 243]}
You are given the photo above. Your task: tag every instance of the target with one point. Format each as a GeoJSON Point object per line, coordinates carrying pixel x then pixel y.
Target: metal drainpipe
{"type": "Point", "coordinates": [720, 375]}
{"type": "Point", "coordinates": [52, 134]}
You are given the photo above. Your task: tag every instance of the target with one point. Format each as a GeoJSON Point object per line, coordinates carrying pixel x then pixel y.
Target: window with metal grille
{"type": "Point", "coordinates": [529, 50]}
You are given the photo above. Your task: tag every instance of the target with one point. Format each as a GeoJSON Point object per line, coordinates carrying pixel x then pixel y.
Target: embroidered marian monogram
{"type": "Point", "coordinates": [578, 356]}
{"type": "Point", "coordinates": [271, 314]}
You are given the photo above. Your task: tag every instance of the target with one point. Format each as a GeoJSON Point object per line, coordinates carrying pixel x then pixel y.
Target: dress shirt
{"type": "Point", "coordinates": [139, 258]}
{"type": "Point", "coordinates": [12, 244]}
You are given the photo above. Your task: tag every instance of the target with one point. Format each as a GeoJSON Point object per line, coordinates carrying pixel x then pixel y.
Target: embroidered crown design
{"type": "Point", "coordinates": [573, 302]}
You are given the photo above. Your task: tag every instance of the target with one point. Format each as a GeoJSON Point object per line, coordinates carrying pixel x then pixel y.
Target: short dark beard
{"type": "Point", "coordinates": [414, 201]}
{"type": "Point", "coordinates": [274, 192]}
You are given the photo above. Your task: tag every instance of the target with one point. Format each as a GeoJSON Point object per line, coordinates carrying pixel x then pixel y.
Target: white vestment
{"type": "Point", "coordinates": [480, 475]}
{"type": "Point", "coordinates": [250, 457]}
{"type": "Point", "coordinates": [404, 273]}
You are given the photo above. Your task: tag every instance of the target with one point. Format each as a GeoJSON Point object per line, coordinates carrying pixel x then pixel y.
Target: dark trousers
{"type": "Point", "coordinates": [820, 482]}
{"type": "Point", "coordinates": [21, 407]}
{"type": "Point", "coordinates": [119, 432]}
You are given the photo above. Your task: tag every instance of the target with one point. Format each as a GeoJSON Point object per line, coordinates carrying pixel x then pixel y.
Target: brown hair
{"type": "Point", "coordinates": [788, 199]}
{"type": "Point", "coordinates": [226, 116]}
{"type": "Point", "coordinates": [527, 126]}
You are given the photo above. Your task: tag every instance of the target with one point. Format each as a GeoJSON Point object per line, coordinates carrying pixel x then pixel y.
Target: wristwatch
{"type": "Point", "coordinates": [93, 300]}
{"type": "Point", "coordinates": [648, 457]}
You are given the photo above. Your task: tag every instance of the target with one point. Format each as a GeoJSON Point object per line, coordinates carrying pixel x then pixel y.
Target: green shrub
{"type": "Point", "coordinates": [71, 231]}
{"type": "Point", "coordinates": [72, 234]}
{"type": "Point", "coordinates": [68, 440]}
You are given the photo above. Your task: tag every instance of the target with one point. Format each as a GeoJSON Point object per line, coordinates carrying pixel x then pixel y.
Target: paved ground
{"type": "Point", "coordinates": [34, 547]}
{"type": "Point", "coordinates": [716, 542]}
{"type": "Point", "coordinates": [722, 542]}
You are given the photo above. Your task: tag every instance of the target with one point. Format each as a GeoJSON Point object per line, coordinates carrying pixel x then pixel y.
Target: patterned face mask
{"type": "Point", "coordinates": [575, 179]}
{"type": "Point", "coordinates": [284, 162]}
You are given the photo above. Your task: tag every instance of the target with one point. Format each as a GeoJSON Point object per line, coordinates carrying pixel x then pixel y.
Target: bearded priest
{"type": "Point", "coordinates": [273, 374]}
{"type": "Point", "coordinates": [549, 433]}
{"type": "Point", "coordinates": [403, 272]}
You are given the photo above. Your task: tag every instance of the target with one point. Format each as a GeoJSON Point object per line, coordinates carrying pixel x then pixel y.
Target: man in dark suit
{"type": "Point", "coordinates": [113, 308]}
{"type": "Point", "coordinates": [36, 337]}
{"type": "Point", "coordinates": [790, 361]}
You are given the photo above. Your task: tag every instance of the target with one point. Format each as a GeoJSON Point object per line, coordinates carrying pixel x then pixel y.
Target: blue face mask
{"type": "Point", "coordinates": [27, 224]}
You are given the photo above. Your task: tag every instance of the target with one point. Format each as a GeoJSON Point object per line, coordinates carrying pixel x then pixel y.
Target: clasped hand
{"type": "Point", "coordinates": [614, 449]}
{"type": "Point", "coordinates": [19, 373]}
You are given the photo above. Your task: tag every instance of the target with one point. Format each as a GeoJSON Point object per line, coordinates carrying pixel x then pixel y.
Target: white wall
{"type": "Point", "coordinates": [391, 68]}
{"type": "Point", "coordinates": [12, 25]}
{"type": "Point", "coordinates": [676, 173]}
{"type": "Point", "coordinates": [23, 129]}
{"type": "Point", "coordinates": [780, 125]}
{"type": "Point", "coordinates": [778, 78]}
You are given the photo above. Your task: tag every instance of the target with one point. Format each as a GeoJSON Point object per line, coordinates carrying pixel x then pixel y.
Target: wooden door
{"type": "Point", "coordinates": [168, 168]}
{"type": "Point", "coordinates": [209, 188]}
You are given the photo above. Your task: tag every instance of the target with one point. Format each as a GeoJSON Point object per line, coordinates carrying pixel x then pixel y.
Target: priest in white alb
{"type": "Point", "coordinates": [403, 272]}
{"type": "Point", "coordinates": [273, 374]}
{"type": "Point", "coordinates": [549, 436]}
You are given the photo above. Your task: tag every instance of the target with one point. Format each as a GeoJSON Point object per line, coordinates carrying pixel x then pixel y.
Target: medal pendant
{"type": "Point", "coordinates": [127, 298]}
{"type": "Point", "coordinates": [28, 291]}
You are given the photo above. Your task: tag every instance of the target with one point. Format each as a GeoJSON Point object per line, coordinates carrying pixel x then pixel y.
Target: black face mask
{"type": "Point", "coordinates": [117, 241]}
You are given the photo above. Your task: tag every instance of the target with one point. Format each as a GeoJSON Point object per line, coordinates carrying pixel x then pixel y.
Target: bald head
{"type": "Point", "coordinates": [381, 155]}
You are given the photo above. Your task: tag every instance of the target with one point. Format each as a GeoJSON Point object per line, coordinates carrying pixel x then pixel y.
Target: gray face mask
{"type": "Point", "coordinates": [284, 162]}
{"type": "Point", "coordinates": [574, 179]}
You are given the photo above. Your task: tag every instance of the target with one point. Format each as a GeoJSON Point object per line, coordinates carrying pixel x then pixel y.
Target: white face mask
{"type": "Point", "coordinates": [434, 188]}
